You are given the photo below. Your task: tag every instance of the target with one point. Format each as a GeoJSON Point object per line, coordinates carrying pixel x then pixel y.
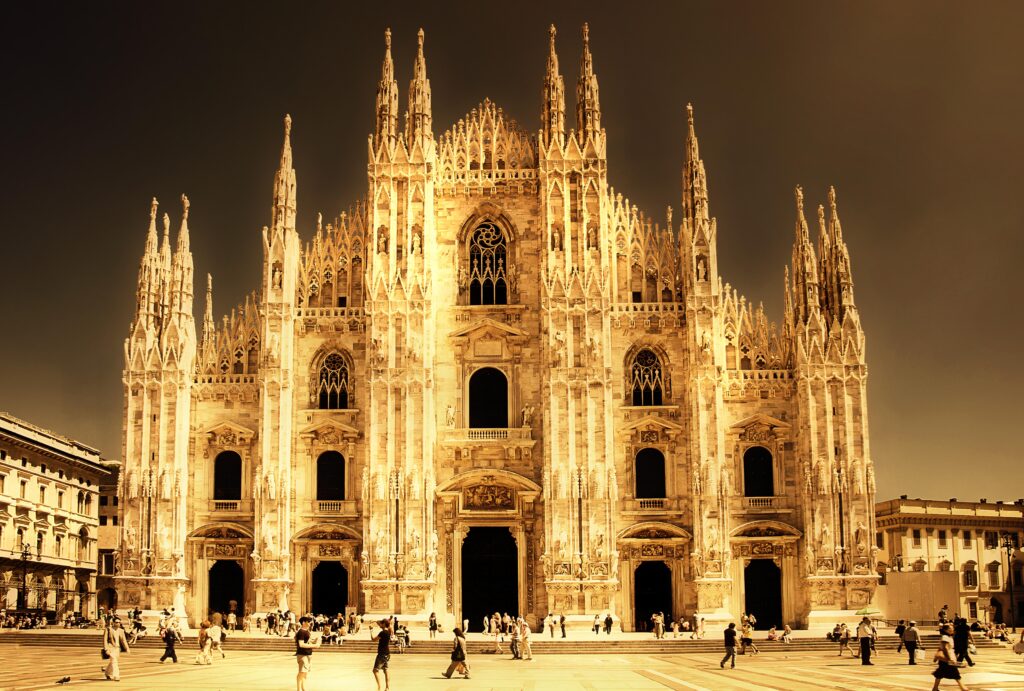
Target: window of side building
{"type": "Point", "coordinates": [968, 543]}
{"type": "Point", "coordinates": [991, 539]}
{"type": "Point", "coordinates": [942, 539]}
{"type": "Point", "coordinates": [915, 536]}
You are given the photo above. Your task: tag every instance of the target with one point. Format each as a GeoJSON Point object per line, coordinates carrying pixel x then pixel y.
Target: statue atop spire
{"type": "Point", "coordinates": [283, 211]}
{"type": "Point", "coordinates": [418, 120]}
{"type": "Point", "coordinates": [588, 103]}
{"type": "Point", "coordinates": [553, 115]}
{"type": "Point", "coordinates": [695, 188]}
{"type": "Point", "coordinates": [387, 98]}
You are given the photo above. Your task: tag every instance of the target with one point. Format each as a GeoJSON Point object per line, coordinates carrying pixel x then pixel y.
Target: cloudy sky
{"type": "Point", "coordinates": [913, 110]}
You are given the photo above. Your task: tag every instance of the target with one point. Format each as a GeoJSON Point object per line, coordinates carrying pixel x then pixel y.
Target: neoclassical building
{"type": "Point", "coordinates": [494, 383]}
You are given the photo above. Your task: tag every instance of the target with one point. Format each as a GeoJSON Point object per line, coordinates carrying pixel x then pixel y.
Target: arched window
{"type": "Point", "coordinates": [646, 378]}
{"type": "Point", "coordinates": [758, 473]}
{"type": "Point", "coordinates": [19, 540]}
{"type": "Point", "coordinates": [330, 476]}
{"type": "Point", "coordinates": [488, 260]}
{"type": "Point", "coordinates": [650, 474]}
{"type": "Point", "coordinates": [83, 544]}
{"type": "Point", "coordinates": [39, 543]}
{"type": "Point", "coordinates": [57, 546]}
{"type": "Point", "coordinates": [332, 383]}
{"type": "Point", "coordinates": [81, 502]}
{"type": "Point", "coordinates": [227, 476]}
{"type": "Point", "coordinates": [488, 398]}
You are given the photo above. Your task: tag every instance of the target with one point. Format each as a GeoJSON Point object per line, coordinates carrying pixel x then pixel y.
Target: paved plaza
{"type": "Point", "coordinates": [39, 667]}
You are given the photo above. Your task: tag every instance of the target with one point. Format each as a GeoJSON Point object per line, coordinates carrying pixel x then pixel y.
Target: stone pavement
{"type": "Point", "coordinates": [35, 668]}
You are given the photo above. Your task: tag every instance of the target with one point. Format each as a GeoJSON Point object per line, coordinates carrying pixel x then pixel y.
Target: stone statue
{"type": "Point", "coordinates": [809, 556]}
{"type": "Point", "coordinates": [431, 565]}
{"type": "Point", "coordinates": [527, 415]}
{"type": "Point", "coordinates": [364, 565]}
{"type": "Point", "coordinates": [859, 536]}
{"type": "Point", "coordinates": [269, 546]}
{"type": "Point", "coordinates": [257, 564]}
{"type": "Point", "coordinates": [513, 279]}
{"type": "Point", "coordinates": [613, 484]}
{"type": "Point", "coordinates": [382, 241]}
{"type": "Point", "coordinates": [165, 485]}
{"type": "Point", "coordinates": [271, 487]}
{"type": "Point", "coordinates": [615, 563]}
{"type": "Point", "coordinates": [414, 541]}
{"type": "Point", "coordinates": [556, 238]}
{"type": "Point", "coordinates": [599, 546]}
{"type": "Point", "coordinates": [276, 277]}
{"type": "Point", "coordinates": [450, 416]}
{"type": "Point", "coordinates": [416, 243]}
{"type": "Point", "coordinates": [463, 279]}
{"type": "Point", "coordinates": [380, 547]}
{"type": "Point", "coordinates": [592, 237]}
{"type": "Point", "coordinates": [129, 538]}
{"type": "Point", "coordinates": [433, 542]}
{"type": "Point", "coordinates": [702, 270]}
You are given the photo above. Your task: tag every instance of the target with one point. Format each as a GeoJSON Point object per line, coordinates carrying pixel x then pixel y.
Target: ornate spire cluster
{"type": "Point", "coordinates": [588, 103]}
{"type": "Point", "coordinates": [283, 211]}
{"type": "Point", "coordinates": [418, 119]}
{"type": "Point", "coordinates": [387, 99]}
{"type": "Point", "coordinates": [695, 186]}
{"type": "Point", "coordinates": [333, 264]}
{"type": "Point", "coordinates": [484, 140]}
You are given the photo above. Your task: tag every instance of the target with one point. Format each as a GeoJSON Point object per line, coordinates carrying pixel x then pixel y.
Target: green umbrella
{"type": "Point", "coordinates": [867, 610]}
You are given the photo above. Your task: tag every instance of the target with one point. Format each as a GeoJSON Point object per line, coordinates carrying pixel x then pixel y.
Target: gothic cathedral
{"type": "Point", "coordinates": [494, 384]}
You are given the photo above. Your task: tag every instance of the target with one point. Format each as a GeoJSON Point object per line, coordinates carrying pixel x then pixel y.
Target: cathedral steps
{"type": "Point", "coordinates": [442, 645]}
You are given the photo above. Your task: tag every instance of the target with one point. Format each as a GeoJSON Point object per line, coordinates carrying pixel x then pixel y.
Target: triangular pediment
{"type": "Point", "coordinates": [652, 422]}
{"type": "Point", "coordinates": [482, 326]}
{"type": "Point", "coordinates": [228, 433]}
{"type": "Point", "coordinates": [760, 419]}
{"type": "Point", "coordinates": [329, 431]}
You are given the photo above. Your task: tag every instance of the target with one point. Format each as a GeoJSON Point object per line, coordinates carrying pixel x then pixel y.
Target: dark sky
{"type": "Point", "coordinates": [913, 110]}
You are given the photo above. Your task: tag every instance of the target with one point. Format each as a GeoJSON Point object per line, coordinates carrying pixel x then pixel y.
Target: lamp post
{"type": "Point", "coordinates": [1010, 544]}
{"type": "Point", "coordinates": [26, 557]}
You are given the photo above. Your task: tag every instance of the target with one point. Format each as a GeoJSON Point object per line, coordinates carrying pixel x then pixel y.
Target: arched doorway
{"type": "Point", "coordinates": [488, 398]}
{"type": "Point", "coordinates": [490, 574]}
{"type": "Point", "coordinates": [330, 476]}
{"type": "Point", "coordinates": [762, 583]}
{"type": "Point", "coordinates": [652, 592]}
{"type": "Point", "coordinates": [758, 473]}
{"type": "Point", "coordinates": [227, 587]}
{"type": "Point", "coordinates": [107, 598]}
{"type": "Point", "coordinates": [330, 588]}
{"type": "Point", "coordinates": [650, 474]}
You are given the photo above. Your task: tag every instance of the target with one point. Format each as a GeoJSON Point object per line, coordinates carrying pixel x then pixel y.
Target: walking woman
{"type": "Point", "coordinates": [947, 668]}
{"type": "Point", "coordinates": [114, 643]}
{"type": "Point", "coordinates": [458, 656]}
{"type": "Point", "coordinates": [844, 641]}
{"type": "Point", "coordinates": [433, 625]}
{"type": "Point", "coordinates": [203, 657]}
{"type": "Point", "coordinates": [380, 663]}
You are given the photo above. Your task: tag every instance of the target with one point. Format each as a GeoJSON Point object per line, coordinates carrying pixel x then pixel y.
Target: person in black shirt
{"type": "Point", "coordinates": [730, 646]}
{"type": "Point", "coordinates": [304, 644]}
{"type": "Point", "coordinates": [380, 663]}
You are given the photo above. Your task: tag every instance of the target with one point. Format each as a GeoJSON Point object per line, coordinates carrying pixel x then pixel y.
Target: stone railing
{"type": "Point", "coordinates": [762, 503]}
{"type": "Point", "coordinates": [652, 504]}
{"type": "Point", "coordinates": [478, 434]}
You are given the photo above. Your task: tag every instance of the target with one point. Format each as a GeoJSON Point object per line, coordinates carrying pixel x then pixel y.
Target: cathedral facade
{"type": "Point", "coordinates": [495, 384]}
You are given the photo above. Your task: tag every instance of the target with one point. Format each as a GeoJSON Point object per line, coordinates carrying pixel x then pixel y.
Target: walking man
{"type": "Point", "coordinates": [899, 631]}
{"type": "Point", "coordinates": [962, 640]}
{"type": "Point", "coordinates": [866, 637]}
{"type": "Point", "coordinates": [524, 634]}
{"type": "Point", "coordinates": [305, 642]}
{"type": "Point", "coordinates": [730, 646]}
{"type": "Point", "coordinates": [561, 622]}
{"type": "Point", "coordinates": [608, 624]}
{"type": "Point", "coordinates": [170, 636]}
{"type": "Point", "coordinates": [912, 640]}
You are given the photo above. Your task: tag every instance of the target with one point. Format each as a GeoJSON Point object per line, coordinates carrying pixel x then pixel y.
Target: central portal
{"type": "Point", "coordinates": [227, 587]}
{"type": "Point", "coordinates": [330, 588]}
{"type": "Point", "coordinates": [490, 575]}
{"type": "Point", "coordinates": [762, 580]}
{"type": "Point", "coordinates": [652, 592]}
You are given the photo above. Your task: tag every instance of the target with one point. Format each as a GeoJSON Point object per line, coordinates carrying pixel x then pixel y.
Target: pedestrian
{"type": "Point", "coordinates": [597, 624]}
{"type": "Point", "coordinates": [943, 615]}
{"type": "Point", "coordinates": [380, 663]}
{"type": "Point", "coordinates": [217, 637]}
{"type": "Point", "coordinates": [747, 639]}
{"type": "Point", "coordinates": [866, 638]}
{"type": "Point", "coordinates": [551, 624]}
{"type": "Point", "coordinates": [305, 642]}
{"type": "Point", "coordinates": [899, 630]}
{"type": "Point", "coordinates": [498, 635]}
{"type": "Point", "coordinates": [947, 666]}
{"type": "Point", "coordinates": [114, 643]}
{"type": "Point", "coordinates": [458, 656]}
{"type": "Point", "coordinates": [171, 637]}
{"type": "Point", "coordinates": [962, 641]}
{"type": "Point", "coordinates": [844, 640]}
{"type": "Point", "coordinates": [487, 624]}
{"type": "Point", "coordinates": [465, 625]}
{"type": "Point", "coordinates": [608, 624]}
{"type": "Point", "coordinates": [232, 621]}
{"type": "Point", "coordinates": [524, 635]}
{"type": "Point", "coordinates": [730, 646]}
{"type": "Point", "coordinates": [561, 623]}
{"type": "Point", "coordinates": [514, 640]}
{"type": "Point", "coordinates": [203, 657]}
{"type": "Point", "coordinates": [432, 625]}
{"type": "Point", "coordinates": [912, 641]}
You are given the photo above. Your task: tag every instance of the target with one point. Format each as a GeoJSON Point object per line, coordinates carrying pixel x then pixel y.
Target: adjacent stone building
{"type": "Point", "coordinates": [494, 383]}
{"type": "Point", "coordinates": [934, 553]}
{"type": "Point", "coordinates": [49, 495]}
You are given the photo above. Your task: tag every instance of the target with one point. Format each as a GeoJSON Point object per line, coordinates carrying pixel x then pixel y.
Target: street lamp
{"type": "Point", "coordinates": [26, 557]}
{"type": "Point", "coordinates": [1010, 544]}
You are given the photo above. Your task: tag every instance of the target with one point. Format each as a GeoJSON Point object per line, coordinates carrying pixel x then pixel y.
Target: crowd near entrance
{"type": "Point", "coordinates": [762, 583]}
{"type": "Point", "coordinates": [652, 592]}
{"type": "Point", "coordinates": [227, 584]}
{"type": "Point", "coordinates": [330, 588]}
{"type": "Point", "coordinates": [490, 574]}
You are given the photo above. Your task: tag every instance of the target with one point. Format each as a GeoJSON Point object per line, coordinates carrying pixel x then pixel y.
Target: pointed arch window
{"type": "Point", "coordinates": [333, 383]}
{"type": "Point", "coordinates": [646, 380]}
{"type": "Point", "coordinates": [488, 262]}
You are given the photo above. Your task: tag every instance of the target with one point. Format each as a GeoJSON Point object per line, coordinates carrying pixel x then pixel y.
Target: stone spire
{"type": "Point", "coordinates": [588, 104]}
{"type": "Point", "coordinates": [209, 328]}
{"type": "Point", "coordinates": [695, 187]}
{"type": "Point", "coordinates": [148, 289]}
{"type": "Point", "coordinates": [181, 288]}
{"type": "Point", "coordinates": [553, 115]}
{"type": "Point", "coordinates": [805, 271]}
{"type": "Point", "coordinates": [283, 211]}
{"type": "Point", "coordinates": [841, 277]}
{"type": "Point", "coordinates": [387, 98]}
{"type": "Point", "coordinates": [418, 124]}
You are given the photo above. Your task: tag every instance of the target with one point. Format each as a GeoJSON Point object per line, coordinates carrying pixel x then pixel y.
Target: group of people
{"type": "Point", "coordinates": [21, 621]}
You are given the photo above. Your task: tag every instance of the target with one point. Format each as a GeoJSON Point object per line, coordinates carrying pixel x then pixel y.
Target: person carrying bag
{"type": "Point", "coordinates": [458, 656]}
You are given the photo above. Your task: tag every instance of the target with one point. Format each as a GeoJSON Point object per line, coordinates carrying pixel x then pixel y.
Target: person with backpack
{"type": "Point", "coordinates": [458, 656]}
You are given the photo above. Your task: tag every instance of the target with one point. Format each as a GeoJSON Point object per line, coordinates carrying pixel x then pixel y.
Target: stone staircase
{"type": "Point", "coordinates": [443, 644]}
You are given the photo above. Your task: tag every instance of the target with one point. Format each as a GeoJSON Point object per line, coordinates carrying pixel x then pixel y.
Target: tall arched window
{"type": "Point", "coordinates": [83, 544]}
{"type": "Point", "coordinates": [758, 473]}
{"type": "Point", "coordinates": [488, 398]}
{"type": "Point", "coordinates": [330, 476]}
{"type": "Point", "coordinates": [227, 476]}
{"type": "Point", "coordinates": [650, 474]}
{"type": "Point", "coordinates": [646, 378]}
{"type": "Point", "coordinates": [488, 260]}
{"type": "Point", "coordinates": [332, 383]}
